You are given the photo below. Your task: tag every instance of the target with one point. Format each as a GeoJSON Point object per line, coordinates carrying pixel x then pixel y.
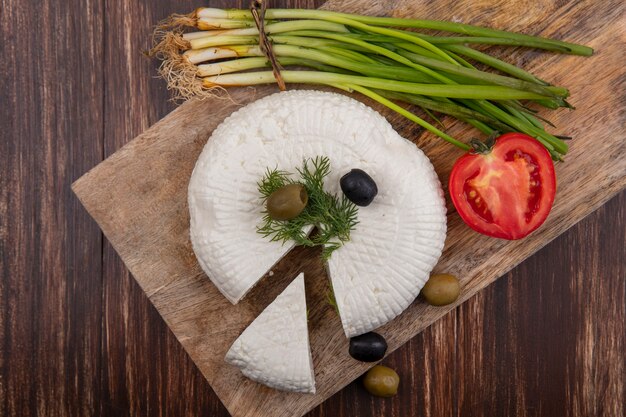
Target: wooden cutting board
{"type": "Point", "coordinates": [139, 198]}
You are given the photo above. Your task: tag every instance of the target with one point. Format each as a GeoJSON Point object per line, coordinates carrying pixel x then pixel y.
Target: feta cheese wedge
{"type": "Point", "coordinates": [274, 348]}
{"type": "Point", "coordinates": [398, 240]}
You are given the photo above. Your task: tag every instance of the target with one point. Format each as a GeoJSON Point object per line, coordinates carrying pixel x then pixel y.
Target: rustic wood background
{"type": "Point", "coordinates": [79, 337]}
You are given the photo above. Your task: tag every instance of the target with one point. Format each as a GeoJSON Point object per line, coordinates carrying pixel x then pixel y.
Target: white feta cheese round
{"type": "Point", "coordinates": [399, 237]}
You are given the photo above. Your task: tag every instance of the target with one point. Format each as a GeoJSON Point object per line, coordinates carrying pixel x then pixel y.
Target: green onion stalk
{"type": "Point", "coordinates": [211, 49]}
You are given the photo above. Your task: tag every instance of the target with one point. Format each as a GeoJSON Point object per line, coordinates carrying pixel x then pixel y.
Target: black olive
{"type": "Point", "coordinates": [358, 187]}
{"type": "Point", "coordinates": [368, 347]}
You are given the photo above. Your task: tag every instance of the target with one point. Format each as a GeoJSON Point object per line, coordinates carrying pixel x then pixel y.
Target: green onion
{"type": "Point", "coordinates": [485, 76]}
{"type": "Point", "coordinates": [408, 115]}
{"type": "Point", "coordinates": [314, 77]}
{"type": "Point", "coordinates": [212, 24]}
{"type": "Point", "coordinates": [289, 26]}
{"type": "Point", "coordinates": [444, 26]}
{"type": "Point", "coordinates": [494, 63]}
{"type": "Point", "coordinates": [372, 56]}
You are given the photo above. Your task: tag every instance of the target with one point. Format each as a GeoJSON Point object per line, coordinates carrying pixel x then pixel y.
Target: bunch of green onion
{"type": "Point", "coordinates": [370, 55]}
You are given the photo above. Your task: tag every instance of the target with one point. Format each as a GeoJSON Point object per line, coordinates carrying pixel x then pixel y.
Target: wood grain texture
{"type": "Point", "coordinates": [133, 340]}
{"type": "Point", "coordinates": [51, 124]}
{"type": "Point", "coordinates": [79, 337]}
{"type": "Point", "coordinates": [527, 345]}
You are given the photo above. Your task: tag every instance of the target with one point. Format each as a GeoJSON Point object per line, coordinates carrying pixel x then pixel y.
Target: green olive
{"type": "Point", "coordinates": [441, 289]}
{"type": "Point", "coordinates": [381, 381]}
{"type": "Point", "coordinates": [287, 202]}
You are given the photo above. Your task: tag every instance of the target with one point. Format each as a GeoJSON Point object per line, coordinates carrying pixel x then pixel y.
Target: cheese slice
{"type": "Point", "coordinates": [399, 237]}
{"type": "Point", "coordinates": [274, 348]}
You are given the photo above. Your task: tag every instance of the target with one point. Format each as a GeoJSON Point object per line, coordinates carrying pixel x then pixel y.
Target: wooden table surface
{"type": "Point", "coordinates": [78, 337]}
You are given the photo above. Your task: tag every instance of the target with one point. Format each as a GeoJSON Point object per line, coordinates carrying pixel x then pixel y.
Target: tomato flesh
{"type": "Point", "coordinates": [508, 192]}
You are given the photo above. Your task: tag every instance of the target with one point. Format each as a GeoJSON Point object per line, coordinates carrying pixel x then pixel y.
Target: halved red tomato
{"type": "Point", "coordinates": [506, 191]}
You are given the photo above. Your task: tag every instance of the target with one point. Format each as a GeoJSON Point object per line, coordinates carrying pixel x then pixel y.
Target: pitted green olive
{"type": "Point", "coordinates": [287, 202]}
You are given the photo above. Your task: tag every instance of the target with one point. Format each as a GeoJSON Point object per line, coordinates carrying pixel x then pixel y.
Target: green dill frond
{"type": "Point", "coordinates": [334, 218]}
{"type": "Point", "coordinates": [272, 181]}
{"type": "Point", "coordinates": [315, 179]}
{"type": "Point", "coordinates": [329, 248]}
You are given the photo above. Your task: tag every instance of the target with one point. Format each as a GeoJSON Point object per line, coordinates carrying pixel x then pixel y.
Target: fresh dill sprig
{"type": "Point", "coordinates": [334, 217]}
{"type": "Point", "coordinates": [272, 181]}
